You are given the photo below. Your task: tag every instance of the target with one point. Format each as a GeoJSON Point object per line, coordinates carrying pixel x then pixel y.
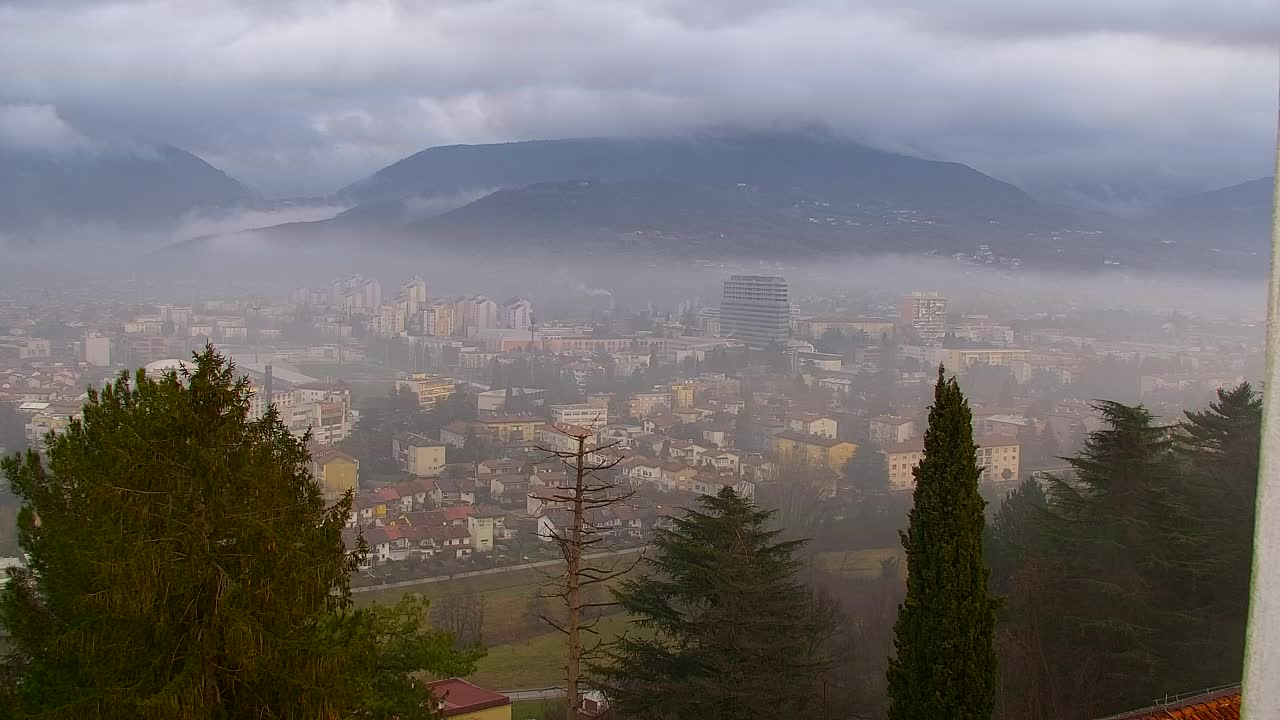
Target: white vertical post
{"type": "Point", "coordinates": [1262, 649]}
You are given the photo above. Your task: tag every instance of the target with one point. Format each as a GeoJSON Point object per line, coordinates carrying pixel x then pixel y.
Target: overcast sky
{"type": "Point", "coordinates": [301, 97]}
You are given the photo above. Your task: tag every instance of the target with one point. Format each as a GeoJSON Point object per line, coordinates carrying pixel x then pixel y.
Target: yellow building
{"type": "Point", "coordinates": [682, 395]}
{"type": "Point", "coordinates": [458, 699]}
{"type": "Point", "coordinates": [511, 428]}
{"type": "Point", "coordinates": [999, 458]}
{"type": "Point", "coordinates": [418, 455]}
{"type": "Point", "coordinates": [441, 319]}
{"type": "Point", "coordinates": [826, 452]}
{"type": "Point", "coordinates": [336, 471]}
{"type": "Point", "coordinates": [960, 358]}
{"type": "Point", "coordinates": [815, 328]}
{"type": "Point", "coordinates": [431, 390]}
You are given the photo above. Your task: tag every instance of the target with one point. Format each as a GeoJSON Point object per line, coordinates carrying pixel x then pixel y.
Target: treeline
{"type": "Point", "coordinates": [1129, 580]}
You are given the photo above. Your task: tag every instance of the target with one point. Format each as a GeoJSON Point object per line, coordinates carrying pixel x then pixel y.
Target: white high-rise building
{"type": "Point", "coordinates": [415, 291]}
{"type": "Point", "coordinates": [925, 313]}
{"type": "Point", "coordinates": [97, 350]}
{"type": "Point", "coordinates": [478, 312]}
{"type": "Point", "coordinates": [516, 313]}
{"type": "Point", "coordinates": [372, 290]}
{"type": "Point", "coordinates": [755, 309]}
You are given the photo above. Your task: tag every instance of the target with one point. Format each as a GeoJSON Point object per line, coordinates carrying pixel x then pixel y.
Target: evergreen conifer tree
{"type": "Point", "coordinates": [1122, 533]}
{"type": "Point", "coordinates": [182, 563]}
{"type": "Point", "coordinates": [736, 636]}
{"type": "Point", "coordinates": [1220, 446]}
{"type": "Point", "coordinates": [945, 667]}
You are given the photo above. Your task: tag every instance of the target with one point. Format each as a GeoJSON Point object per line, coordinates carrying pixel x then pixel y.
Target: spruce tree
{"type": "Point", "coordinates": [945, 666]}
{"type": "Point", "coordinates": [182, 563]}
{"type": "Point", "coordinates": [734, 636]}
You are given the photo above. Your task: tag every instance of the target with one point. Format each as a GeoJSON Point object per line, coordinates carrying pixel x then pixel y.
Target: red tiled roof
{"type": "Point", "coordinates": [1218, 705]}
{"type": "Point", "coordinates": [459, 512]}
{"type": "Point", "coordinates": [459, 697]}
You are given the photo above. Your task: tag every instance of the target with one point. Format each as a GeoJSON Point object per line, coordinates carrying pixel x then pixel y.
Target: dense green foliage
{"type": "Point", "coordinates": [384, 417]}
{"type": "Point", "coordinates": [183, 564]}
{"type": "Point", "coordinates": [1130, 579]}
{"type": "Point", "coordinates": [867, 472]}
{"type": "Point", "coordinates": [406, 647]}
{"type": "Point", "coordinates": [735, 634]}
{"type": "Point", "coordinates": [945, 666]}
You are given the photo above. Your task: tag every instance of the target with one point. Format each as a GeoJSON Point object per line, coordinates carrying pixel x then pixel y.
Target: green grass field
{"type": "Point", "coordinates": [537, 710]}
{"type": "Point", "coordinates": [539, 661]}
{"type": "Point", "coordinates": [859, 563]}
{"type": "Point", "coordinates": [506, 597]}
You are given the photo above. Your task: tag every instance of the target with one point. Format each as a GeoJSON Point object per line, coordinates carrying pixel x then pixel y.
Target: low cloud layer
{"type": "Point", "coordinates": [302, 97]}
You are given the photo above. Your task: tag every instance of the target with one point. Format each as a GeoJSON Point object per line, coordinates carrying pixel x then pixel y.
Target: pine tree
{"type": "Point", "coordinates": [735, 635]}
{"type": "Point", "coordinates": [945, 667]}
{"type": "Point", "coordinates": [182, 563]}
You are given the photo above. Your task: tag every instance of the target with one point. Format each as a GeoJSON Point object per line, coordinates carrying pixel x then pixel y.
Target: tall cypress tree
{"type": "Point", "coordinates": [945, 667]}
{"type": "Point", "coordinates": [736, 636]}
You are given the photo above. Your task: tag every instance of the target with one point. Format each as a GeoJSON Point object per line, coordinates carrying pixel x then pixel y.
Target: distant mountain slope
{"type": "Point", "coordinates": [785, 167]}
{"type": "Point", "coordinates": [1234, 219]}
{"type": "Point", "coordinates": [134, 188]}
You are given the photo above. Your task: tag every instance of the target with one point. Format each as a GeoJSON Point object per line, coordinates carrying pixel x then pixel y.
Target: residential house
{"type": "Point", "coordinates": [717, 434]}
{"type": "Point", "coordinates": [816, 450]}
{"type": "Point", "coordinates": [507, 429]}
{"type": "Point", "coordinates": [812, 424]}
{"type": "Point", "coordinates": [591, 417]}
{"type": "Point", "coordinates": [712, 484]}
{"type": "Point", "coordinates": [642, 469]}
{"type": "Point", "coordinates": [886, 430]}
{"type": "Point", "coordinates": [336, 471]}
{"type": "Point", "coordinates": [454, 490]}
{"type": "Point", "coordinates": [509, 489]}
{"type": "Point", "coordinates": [430, 390]}
{"type": "Point", "coordinates": [999, 458]}
{"type": "Point", "coordinates": [641, 405]}
{"type": "Point", "coordinates": [480, 530]}
{"type": "Point", "coordinates": [543, 490]}
{"type": "Point", "coordinates": [564, 438]}
{"type": "Point", "coordinates": [722, 461]}
{"type": "Point", "coordinates": [678, 476]}
{"type": "Point", "coordinates": [418, 455]}
{"type": "Point", "coordinates": [757, 469]}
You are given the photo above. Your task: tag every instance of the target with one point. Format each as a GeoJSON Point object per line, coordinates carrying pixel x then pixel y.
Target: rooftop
{"type": "Point", "coordinates": [807, 439]}
{"type": "Point", "coordinates": [459, 697]}
{"type": "Point", "coordinates": [1221, 704]}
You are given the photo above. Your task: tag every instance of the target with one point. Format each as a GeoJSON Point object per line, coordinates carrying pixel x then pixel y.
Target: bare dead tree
{"type": "Point", "coordinates": [462, 615]}
{"type": "Point", "coordinates": [589, 492]}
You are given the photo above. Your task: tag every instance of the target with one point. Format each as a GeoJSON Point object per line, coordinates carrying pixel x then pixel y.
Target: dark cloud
{"type": "Point", "coordinates": [300, 97]}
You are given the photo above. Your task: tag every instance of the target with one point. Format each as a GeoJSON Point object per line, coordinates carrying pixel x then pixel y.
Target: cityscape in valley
{"type": "Point", "coordinates": [638, 360]}
{"type": "Point", "coordinates": [447, 418]}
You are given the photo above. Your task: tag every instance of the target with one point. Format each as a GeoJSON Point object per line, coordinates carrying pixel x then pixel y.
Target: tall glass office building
{"type": "Point", "coordinates": [755, 309]}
